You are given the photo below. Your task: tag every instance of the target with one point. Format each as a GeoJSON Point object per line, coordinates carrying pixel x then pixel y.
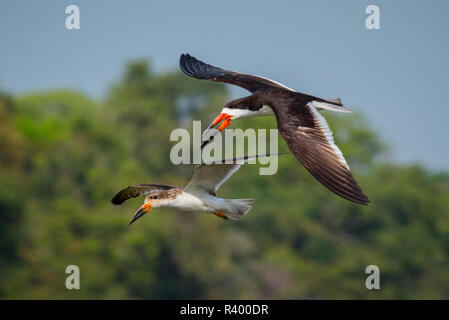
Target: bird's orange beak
{"type": "Point", "coordinates": [146, 207]}
{"type": "Point", "coordinates": [226, 118]}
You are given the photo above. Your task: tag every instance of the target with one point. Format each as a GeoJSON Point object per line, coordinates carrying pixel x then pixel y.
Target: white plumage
{"type": "Point", "coordinates": [198, 195]}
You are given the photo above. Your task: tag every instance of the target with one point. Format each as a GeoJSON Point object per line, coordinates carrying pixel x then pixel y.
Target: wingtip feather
{"type": "Point", "coordinates": [184, 64]}
{"type": "Point", "coordinates": [187, 65]}
{"type": "Point", "coordinates": [117, 199]}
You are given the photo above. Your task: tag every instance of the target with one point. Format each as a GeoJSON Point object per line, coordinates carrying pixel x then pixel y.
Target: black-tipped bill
{"type": "Point", "coordinates": [224, 120]}
{"type": "Point", "coordinates": [142, 210]}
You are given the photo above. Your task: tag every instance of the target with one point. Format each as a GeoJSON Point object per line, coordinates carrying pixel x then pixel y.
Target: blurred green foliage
{"type": "Point", "coordinates": [64, 155]}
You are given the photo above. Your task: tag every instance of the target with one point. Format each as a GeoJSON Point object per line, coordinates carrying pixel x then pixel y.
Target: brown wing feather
{"type": "Point", "coordinates": [310, 140]}
{"type": "Point", "coordinates": [137, 190]}
{"type": "Point", "coordinates": [200, 70]}
{"type": "Point", "coordinates": [211, 176]}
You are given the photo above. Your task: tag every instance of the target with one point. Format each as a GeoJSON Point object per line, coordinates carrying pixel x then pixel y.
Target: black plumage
{"type": "Point", "coordinates": [301, 125]}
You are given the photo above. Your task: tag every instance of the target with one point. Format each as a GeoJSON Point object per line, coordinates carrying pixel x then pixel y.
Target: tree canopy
{"type": "Point", "coordinates": [64, 155]}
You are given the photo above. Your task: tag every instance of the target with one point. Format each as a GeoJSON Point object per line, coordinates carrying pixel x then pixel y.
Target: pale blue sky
{"type": "Point", "coordinates": [397, 76]}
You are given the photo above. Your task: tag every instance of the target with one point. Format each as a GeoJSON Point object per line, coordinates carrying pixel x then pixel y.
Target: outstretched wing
{"type": "Point", "coordinates": [200, 70]}
{"type": "Point", "coordinates": [310, 139]}
{"type": "Point", "coordinates": [210, 177]}
{"type": "Point", "coordinates": [138, 190]}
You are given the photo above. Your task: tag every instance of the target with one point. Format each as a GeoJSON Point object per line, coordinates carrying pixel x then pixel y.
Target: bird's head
{"type": "Point", "coordinates": [153, 200]}
{"type": "Point", "coordinates": [233, 110]}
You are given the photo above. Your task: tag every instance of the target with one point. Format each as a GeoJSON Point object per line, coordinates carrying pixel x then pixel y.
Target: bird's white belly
{"type": "Point", "coordinates": [193, 202]}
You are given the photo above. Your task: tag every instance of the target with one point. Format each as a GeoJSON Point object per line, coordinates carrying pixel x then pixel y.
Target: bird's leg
{"type": "Point", "coordinates": [220, 214]}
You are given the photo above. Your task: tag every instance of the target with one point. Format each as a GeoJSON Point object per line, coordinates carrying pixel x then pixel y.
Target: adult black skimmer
{"type": "Point", "coordinates": [199, 194]}
{"type": "Point", "coordinates": [301, 125]}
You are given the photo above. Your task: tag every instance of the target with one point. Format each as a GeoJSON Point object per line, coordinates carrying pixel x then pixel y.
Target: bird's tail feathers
{"type": "Point", "coordinates": [330, 104]}
{"type": "Point", "coordinates": [238, 208]}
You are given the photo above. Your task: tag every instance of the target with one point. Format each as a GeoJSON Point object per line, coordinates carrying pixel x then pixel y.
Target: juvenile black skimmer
{"type": "Point", "coordinates": [199, 194]}
{"type": "Point", "coordinates": [301, 125]}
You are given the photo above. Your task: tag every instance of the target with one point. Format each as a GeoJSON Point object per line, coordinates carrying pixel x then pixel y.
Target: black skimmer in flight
{"type": "Point", "coordinates": [301, 125]}
{"type": "Point", "coordinates": [199, 194]}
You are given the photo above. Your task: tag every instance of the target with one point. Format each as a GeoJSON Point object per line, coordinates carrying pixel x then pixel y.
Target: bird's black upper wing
{"type": "Point", "coordinates": [200, 70]}
{"type": "Point", "coordinates": [137, 190]}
